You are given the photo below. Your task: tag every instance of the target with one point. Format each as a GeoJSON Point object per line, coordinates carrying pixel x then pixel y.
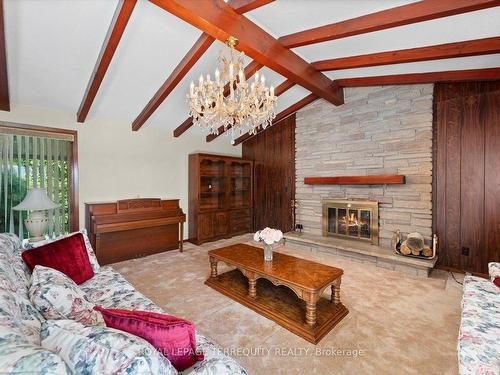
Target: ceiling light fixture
{"type": "Point", "coordinates": [248, 106]}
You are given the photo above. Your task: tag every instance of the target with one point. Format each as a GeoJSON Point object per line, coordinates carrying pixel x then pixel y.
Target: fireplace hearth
{"type": "Point", "coordinates": [351, 219]}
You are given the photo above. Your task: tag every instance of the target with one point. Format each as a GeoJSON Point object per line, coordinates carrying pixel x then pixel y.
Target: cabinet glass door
{"type": "Point", "coordinates": [212, 184]}
{"type": "Point", "coordinates": [240, 184]}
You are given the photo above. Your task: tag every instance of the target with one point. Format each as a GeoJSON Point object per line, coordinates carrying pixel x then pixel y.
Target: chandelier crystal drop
{"type": "Point", "coordinates": [247, 106]}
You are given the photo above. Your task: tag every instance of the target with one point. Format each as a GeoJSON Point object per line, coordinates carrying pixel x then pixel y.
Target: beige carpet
{"type": "Point", "coordinates": [397, 324]}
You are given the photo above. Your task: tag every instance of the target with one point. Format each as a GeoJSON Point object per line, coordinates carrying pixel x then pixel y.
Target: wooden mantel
{"type": "Point", "coordinates": [356, 180]}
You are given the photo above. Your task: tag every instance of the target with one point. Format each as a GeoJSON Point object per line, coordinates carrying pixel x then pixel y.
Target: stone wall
{"type": "Point", "coordinates": [379, 130]}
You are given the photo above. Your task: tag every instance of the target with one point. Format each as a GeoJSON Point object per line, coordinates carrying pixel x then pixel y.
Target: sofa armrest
{"type": "Point", "coordinates": [494, 270]}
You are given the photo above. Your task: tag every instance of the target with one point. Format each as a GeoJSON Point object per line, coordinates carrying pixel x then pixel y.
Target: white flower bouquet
{"type": "Point", "coordinates": [268, 236]}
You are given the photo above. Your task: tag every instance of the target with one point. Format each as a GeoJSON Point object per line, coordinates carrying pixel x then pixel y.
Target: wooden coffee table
{"type": "Point", "coordinates": [287, 290]}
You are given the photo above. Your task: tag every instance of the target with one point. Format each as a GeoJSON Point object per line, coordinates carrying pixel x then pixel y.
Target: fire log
{"type": "Point", "coordinates": [427, 251]}
{"type": "Point", "coordinates": [405, 250]}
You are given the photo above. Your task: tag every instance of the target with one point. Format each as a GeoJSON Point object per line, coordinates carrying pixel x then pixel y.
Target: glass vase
{"type": "Point", "coordinates": [268, 252]}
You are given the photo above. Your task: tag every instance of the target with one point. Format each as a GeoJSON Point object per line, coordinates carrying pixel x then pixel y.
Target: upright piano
{"type": "Point", "coordinates": [134, 228]}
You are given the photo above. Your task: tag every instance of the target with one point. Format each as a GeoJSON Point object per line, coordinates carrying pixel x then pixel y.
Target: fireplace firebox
{"type": "Point", "coordinates": [351, 219]}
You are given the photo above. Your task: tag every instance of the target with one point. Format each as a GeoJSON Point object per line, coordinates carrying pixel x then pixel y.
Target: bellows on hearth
{"type": "Point", "coordinates": [414, 245]}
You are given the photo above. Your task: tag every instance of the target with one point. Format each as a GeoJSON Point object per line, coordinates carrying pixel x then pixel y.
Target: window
{"type": "Point", "coordinates": [42, 158]}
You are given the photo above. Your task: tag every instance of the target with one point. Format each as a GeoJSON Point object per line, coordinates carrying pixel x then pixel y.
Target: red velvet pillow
{"type": "Point", "coordinates": [171, 336]}
{"type": "Point", "coordinates": [497, 281]}
{"type": "Point", "coordinates": [67, 255]}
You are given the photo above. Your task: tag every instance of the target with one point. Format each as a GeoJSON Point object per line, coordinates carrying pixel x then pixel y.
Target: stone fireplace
{"type": "Point", "coordinates": [384, 130]}
{"type": "Point", "coordinates": [351, 219]}
{"type": "Point", "coordinates": [380, 130]}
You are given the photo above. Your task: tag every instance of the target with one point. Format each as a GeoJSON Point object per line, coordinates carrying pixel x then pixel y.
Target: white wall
{"type": "Point", "coordinates": [116, 163]}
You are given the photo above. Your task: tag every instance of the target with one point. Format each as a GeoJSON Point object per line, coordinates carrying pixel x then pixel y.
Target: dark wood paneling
{"type": "Point", "coordinates": [273, 152]}
{"type": "Point", "coordinates": [472, 182]}
{"type": "Point", "coordinates": [466, 179]}
{"type": "Point", "coordinates": [492, 177]}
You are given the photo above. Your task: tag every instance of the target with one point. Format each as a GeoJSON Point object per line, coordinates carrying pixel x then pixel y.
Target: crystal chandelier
{"type": "Point", "coordinates": [247, 106]}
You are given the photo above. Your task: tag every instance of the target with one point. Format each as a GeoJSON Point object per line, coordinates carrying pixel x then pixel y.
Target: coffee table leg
{"type": "Point", "coordinates": [336, 291]}
{"type": "Point", "coordinates": [213, 267]}
{"type": "Point", "coordinates": [311, 313]}
{"type": "Point", "coordinates": [252, 287]}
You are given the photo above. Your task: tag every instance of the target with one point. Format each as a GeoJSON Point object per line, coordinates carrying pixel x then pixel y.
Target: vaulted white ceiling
{"type": "Point", "coordinates": [52, 47]}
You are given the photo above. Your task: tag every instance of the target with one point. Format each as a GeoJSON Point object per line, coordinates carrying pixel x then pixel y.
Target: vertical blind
{"type": "Point", "coordinates": [29, 161]}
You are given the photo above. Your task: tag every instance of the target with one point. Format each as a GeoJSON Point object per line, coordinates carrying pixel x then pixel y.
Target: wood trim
{"type": "Point", "coordinates": [221, 21]}
{"type": "Point", "coordinates": [488, 74]}
{"type": "Point", "coordinates": [474, 47]}
{"type": "Point", "coordinates": [281, 116]}
{"type": "Point", "coordinates": [4, 78]}
{"type": "Point", "coordinates": [117, 27]}
{"type": "Point", "coordinates": [19, 131]}
{"type": "Point", "coordinates": [74, 189]}
{"type": "Point", "coordinates": [180, 71]}
{"type": "Point", "coordinates": [37, 128]}
{"type": "Point", "coordinates": [356, 180]}
{"type": "Point", "coordinates": [385, 19]}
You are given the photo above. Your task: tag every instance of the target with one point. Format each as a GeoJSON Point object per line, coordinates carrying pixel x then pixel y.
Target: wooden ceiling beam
{"type": "Point", "coordinates": [249, 71]}
{"type": "Point", "coordinates": [186, 124]}
{"type": "Point", "coordinates": [488, 74]}
{"type": "Point", "coordinates": [281, 116]}
{"type": "Point", "coordinates": [220, 21]}
{"type": "Point", "coordinates": [4, 78]}
{"type": "Point", "coordinates": [118, 23]}
{"type": "Point", "coordinates": [385, 19]}
{"type": "Point", "coordinates": [280, 89]}
{"type": "Point", "coordinates": [465, 48]}
{"type": "Point", "coordinates": [180, 71]}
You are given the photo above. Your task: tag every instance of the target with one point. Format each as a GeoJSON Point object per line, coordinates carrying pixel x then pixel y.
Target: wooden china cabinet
{"type": "Point", "coordinates": [220, 197]}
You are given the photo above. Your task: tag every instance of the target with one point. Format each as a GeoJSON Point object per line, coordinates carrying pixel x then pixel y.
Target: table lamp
{"type": "Point", "coordinates": [36, 201]}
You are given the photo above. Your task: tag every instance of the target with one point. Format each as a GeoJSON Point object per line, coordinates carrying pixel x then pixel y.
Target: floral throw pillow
{"type": "Point", "coordinates": [101, 350]}
{"type": "Point", "coordinates": [56, 296]}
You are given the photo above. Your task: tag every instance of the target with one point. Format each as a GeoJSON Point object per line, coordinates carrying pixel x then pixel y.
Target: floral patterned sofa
{"type": "Point", "coordinates": [479, 338]}
{"type": "Point", "coordinates": [20, 321]}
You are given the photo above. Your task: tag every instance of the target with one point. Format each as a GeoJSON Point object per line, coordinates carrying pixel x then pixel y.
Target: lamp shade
{"type": "Point", "coordinates": [35, 200]}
